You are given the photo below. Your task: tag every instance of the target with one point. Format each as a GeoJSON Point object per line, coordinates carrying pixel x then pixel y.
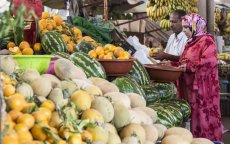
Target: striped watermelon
{"type": "Point", "coordinates": [62, 54]}
{"type": "Point", "coordinates": [53, 42]}
{"type": "Point", "coordinates": [90, 66]}
{"type": "Point", "coordinates": [128, 85]}
{"type": "Point", "coordinates": [184, 107]}
{"type": "Point", "coordinates": [151, 94]}
{"type": "Point", "coordinates": [84, 46]}
{"type": "Point", "coordinates": [139, 73]}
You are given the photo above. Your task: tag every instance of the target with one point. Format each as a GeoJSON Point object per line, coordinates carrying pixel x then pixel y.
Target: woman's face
{"type": "Point", "coordinates": [187, 31]}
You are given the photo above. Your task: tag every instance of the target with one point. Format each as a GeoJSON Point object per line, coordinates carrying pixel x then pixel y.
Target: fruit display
{"type": "Point", "coordinates": [217, 18]}
{"type": "Point", "coordinates": [226, 28]}
{"type": "Point", "coordinates": [224, 56]}
{"type": "Point", "coordinates": [160, 9]}
{"type": "Point", "coordinates": [72, 107]}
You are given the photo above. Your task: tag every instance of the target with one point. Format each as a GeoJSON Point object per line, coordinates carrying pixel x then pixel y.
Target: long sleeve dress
{"type": "Point", "coordinates": [199, 85]}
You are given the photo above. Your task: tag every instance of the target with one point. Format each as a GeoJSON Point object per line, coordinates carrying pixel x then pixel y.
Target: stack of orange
{"type": "Point", "coordinates": [109, 51]}
{"type": "Point", "coordinates": [28, 123]}
{"type": "Point", "coordinates": [23, 48]}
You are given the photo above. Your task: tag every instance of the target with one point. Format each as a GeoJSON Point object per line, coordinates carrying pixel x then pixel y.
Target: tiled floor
{"type": "Point", "coordinates": [226, 123]}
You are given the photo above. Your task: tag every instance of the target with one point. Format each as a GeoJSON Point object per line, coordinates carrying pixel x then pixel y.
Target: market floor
{"type": "Point", "coordinates": [226, 123]}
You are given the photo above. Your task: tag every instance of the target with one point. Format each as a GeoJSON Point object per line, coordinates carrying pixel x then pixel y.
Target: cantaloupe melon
{"type": "Point", "coordinates": [29, 75]}
{"type": "Point", "coordinates": [131, 129]}
{"type": "Point", "coordinates": [110, 128]}
{"type": "Point", "coordinates": [151, 133]}
{"type": "Point", "coordinates": [144, 118]}
{"type": "Point", "coordinates": [182, 132]}
{"type": "Point", "coordinates": [135, 118]}
{"type": "Point", "coordinates": [57, 97]}
{"type": "Point", "coordinates": [118, 97]}
{"type": "Point", "coordinates": [149, 111]}
{"type": "Point", "coordinates": [41, 86]}
{"type": "Point", "coordinates": [136, 100]}
{"type": "Point", "coordinates": [131, 140]}
{"type": "Point", "coordinates": [68, 88]}
{"type": "Point", "coordinates": [161, 130]}
{"type": "Point", "coordinates": [121, 116]}
{"type": "Point", "coordinates": [93, 90]}
{"type": "Point", "coordinates": [149, 142]}
{"type": "Point", "coordinates": [66, 70]}
{"type": "Point", "coordinates": [82, 83]}
{"type": "Point", "coordinates": [55, 120]}
{"type": "Point", "coordinates": [55, 82]}
{"type": "Point", "coordinates": [201, 141]}
{"type": "Point", "coordinates": [174, 139]}
{"type": "Point", "coordinates": [97, 80]}
{"type": "Point", "coordinates": [25, 89]}
{"type": "Point", "coordinates": [114, 139]}
{"type": "Point", "coordinates": [7, 64]}
{"type": "Point", "coordinates": [104, 106]}
{"type": "Point", "coordinates": [107, 87]}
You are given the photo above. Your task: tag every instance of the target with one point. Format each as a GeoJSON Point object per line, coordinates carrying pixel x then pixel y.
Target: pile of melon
{"type": "Point", "coordinates": [84, 110]}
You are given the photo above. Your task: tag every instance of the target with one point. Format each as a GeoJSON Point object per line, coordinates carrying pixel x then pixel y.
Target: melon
{"type": "Point", "coordinates": [82, 83]}
{"type": "Point", "coordinates": [41, 86]}
{"type": "Point", "coordinates": [7, 64]}
{"type": "Point", "coordinates": [104, 106]}
{"type": "Point", "coordinates": [55, 82]}
{"type": "Point", "coordinates": [93, 115]}
{"type": "Point", "coordinates": [136, 100]}
{"type": "Point", "coordinates": [131, 140]}
{"type": "Point", "coordinates": [149, 111]}
{"type": "Point", "coordinates": [29, 75]}
{"type": "Point", "coordinates": [201, 141]}
{"type": "Point", "coordinates": [93, 90]}
{"type": "Point", "coordinates": [149, 142]}
{"type": "Point", "coordinates": [110, 128]}
{"type": "Point", "coordinates": [25, 89]}
{"type": "Point", "coordinates": [182, 132]}
{"type": "Point", "coordinates": [66, 70]}
{"type": "Point", "coordinates": [114, 139]}
{"type": "Point", "coordinates": [55, 120]}
{"type": "Point", "coordinates": [151, 133]}
{"type": "Point", "coordinates": [161, 130]}
{"type": "Point", "coordinates": [135, 118]}
{"type": "Point", "coordinates": [107, 87]}
{"type": "Point", "coordinates": [174, 139]}
{"type": "Point", "coordinates": [57, 97]}
{"type": "Point", "coordinates": [144, 118]}
{"type": "Point", "coordinates": [68, 88]}
{"type": "Point", "coordinates": [121, 116]}
{"type": "Point", "coordinates": [81, 99]}
{"type": "Point", "coordinates": [131, 129]}
{"type": "Point", "coordinates": [97, 80]}
{"type": "Point", "coordinates": [118, 97]}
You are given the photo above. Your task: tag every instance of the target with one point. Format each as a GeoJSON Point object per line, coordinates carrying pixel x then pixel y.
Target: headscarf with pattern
{"type": "Point", "coordinates": [196, 22]}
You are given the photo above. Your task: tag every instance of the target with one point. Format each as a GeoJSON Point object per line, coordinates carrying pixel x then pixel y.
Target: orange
{"type": "Point", "coordinates": [8, 90]}
{"type": "Point", "coordinates": [53, 23]}
{"type": "Point", "coordinates": [26, 119]}
{"type": "Point", "coordinates": [124, 55]}
{"type": "Point", "coordinates": [37, 47]}
{"type": "Point", "coordinates": [14, 50]}
{"type": "Point", "coordinates": [78, 39]}
{"type": "Point", "coordinates": [42, 23]}
{"type": "Point", "coordinates": [49, 27]}
{"type": "Point", "coordinates": [24, 137]}
{"type": "Point", "coordinates": [92, 54]}
{"type": "Point", "coordinates": [65, 37]}
{"type": "Point", "coordinates": [21, 127]}
{"type": "Point", "coordinates": [14, 114]}
{"type": "Point", "coordinates": [75, 139]}
{"type": "Point", "coordinates": [38, 133]}
{"type": "Point", "coordinates": [45, 111]}
{"type": "Point", "coordinates": [10, 138]}
{"type": "Point", "coordinates": [101, 56]}
{"type": "Point", "coordinates": [58, 20]}
{"type": "Point", "coordinates": [69, 48]}
{"type": "Point", "coordinates": [27, 51]}
{"type": "Point", "coordinates": [39, 117]}
{"type": "Point", "coordinates": [43, 32]}
{"type": "Point", "coordinates": [23, 45]}
{"type": "Point", "coordinates": [45, 15]}
{"type": "Point", "coordinates": [28, 107]}
{"type": "Point", "coordinates": [86, 136]}
{"type": "Point", "coordinates": [48, 104]}
{"type": "Point", "coordinates": [16, 102]}
{"type": "Point", "coordinates": [87, 38]}
{"type": "Point", "coordinates": [118, 51]}
{"type": "Point", "coordinates": [76, 31]}
{"type": "Point", "coordinates": [100, 51]}
{"type": "Point", "coordinates": [64, 131]}
{"type": "Point", "coordinates": [59, 28]}
{"type": "Point", "coordinates": [108, 57]}
{"type": "Point", "coordinates": [10, 44]}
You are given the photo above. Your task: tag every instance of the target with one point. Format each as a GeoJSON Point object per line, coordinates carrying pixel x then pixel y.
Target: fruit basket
{"type": "Point", "coordinates": [39, 62]}
{"type": "Point", "coordinates": [117, 67]}
{"type": "Point", "coordinates": [163, 73]}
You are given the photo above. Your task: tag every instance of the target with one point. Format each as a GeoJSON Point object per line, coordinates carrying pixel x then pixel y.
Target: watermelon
{"type": "Point", "coordinates": [18, 34]}
{"type": "Point", "coordinates": [151, 94]}
{"type": "Point", "coordinates": [184, 107]}
{"type": "Point", "coordinates": [165, 90]}
{"type": "Point", "coordinates": [53, 42]}
{"type": "Point", "coordinates": [62, 54]}
{"type": "Point", "coordinates": [90, 66]}
{"type": "Point", "coordinates": [84, 46]}
{"type": "Point", "coordinates": [139, 73]}
{"type": "Point", "coordinates": [127, 84]}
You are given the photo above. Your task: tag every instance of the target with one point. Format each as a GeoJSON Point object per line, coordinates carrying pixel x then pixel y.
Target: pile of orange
{"type": "Point", "coordinates": [109, 51]}
{"type": "Point", "coordinates": [24, 48]}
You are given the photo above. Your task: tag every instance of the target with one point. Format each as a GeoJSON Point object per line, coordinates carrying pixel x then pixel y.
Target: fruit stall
{"type": "Point", "coordinates": [70, 82]}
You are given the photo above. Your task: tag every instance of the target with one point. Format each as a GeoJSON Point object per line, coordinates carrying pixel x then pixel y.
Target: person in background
{"type": "Point", "coordinates": [199, 83]}
{"type": "Point", "coordinates": [177, 40]}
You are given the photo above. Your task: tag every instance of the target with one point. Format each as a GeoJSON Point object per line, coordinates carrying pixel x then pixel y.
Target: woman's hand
{"type": "Point", "coordinates": [183, 67]}
{"type": "Point", "coordinates": [167, 63]}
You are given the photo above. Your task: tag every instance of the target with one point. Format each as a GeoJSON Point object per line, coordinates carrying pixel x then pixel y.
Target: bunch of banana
{"type": "Point", "coordinates": [153, 51]}
{"type": "Point", "coordinates": [165, 24]}
{"type": "Point", "coordinates": [156, 13]}
{"type": "Point", "coordinates": [224, 56]}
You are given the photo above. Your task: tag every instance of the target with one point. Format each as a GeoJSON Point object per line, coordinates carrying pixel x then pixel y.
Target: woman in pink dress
{"type": "Point", "coordinates": [199, 83]}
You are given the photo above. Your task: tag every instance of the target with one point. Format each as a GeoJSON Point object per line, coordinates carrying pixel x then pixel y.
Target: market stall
{"type": "Point", "coordinates": [78, 82]}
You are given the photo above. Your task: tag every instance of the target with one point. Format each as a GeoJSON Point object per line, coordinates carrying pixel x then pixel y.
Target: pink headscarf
{"type": "Point", "coordinates": [196, 22]}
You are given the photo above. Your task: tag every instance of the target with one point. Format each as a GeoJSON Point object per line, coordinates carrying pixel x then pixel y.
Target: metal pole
{"type": "Point", "coordinates": [210, 16]}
